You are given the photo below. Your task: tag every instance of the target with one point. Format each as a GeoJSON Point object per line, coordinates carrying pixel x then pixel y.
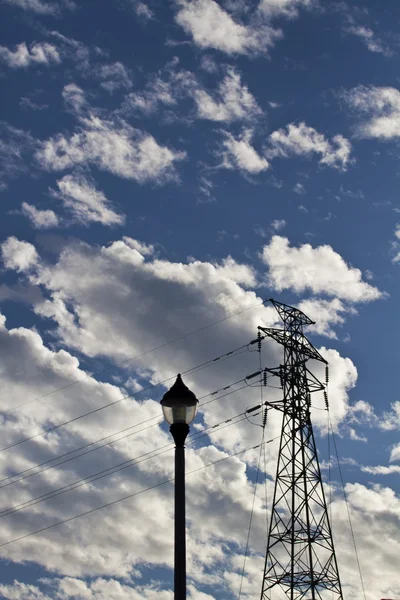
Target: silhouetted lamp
{"type": "Point", "coordinates": [179, 406]}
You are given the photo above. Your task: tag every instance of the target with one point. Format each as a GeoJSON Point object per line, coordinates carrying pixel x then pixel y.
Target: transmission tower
{"type": "Point", "coordinates": [300, 559]}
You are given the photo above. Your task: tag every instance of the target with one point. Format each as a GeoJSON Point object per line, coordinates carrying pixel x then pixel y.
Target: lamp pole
{"type": "Point", "coordinates": [179, 406]}
{"type": "Point", "coordinates": [179, 432]}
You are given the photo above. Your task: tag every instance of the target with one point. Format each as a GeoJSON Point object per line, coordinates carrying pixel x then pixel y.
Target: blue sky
{"type": "Point", "coordinates": [165, 165]}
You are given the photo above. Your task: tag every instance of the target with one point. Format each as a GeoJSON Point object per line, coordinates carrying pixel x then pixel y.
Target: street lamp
{"type": "Point", "coordinates": [179, 406]}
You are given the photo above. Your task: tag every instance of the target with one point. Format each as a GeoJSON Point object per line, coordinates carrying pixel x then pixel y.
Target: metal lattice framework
{"type": "Point", "coordinates": [300, 560]}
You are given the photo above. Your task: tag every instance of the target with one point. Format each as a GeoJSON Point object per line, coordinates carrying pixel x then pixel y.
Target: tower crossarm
{"type": "Point", "coordinates": [296, 342]}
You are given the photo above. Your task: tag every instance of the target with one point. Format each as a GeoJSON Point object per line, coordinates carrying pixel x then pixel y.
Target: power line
{"type": "Point", "coordinates": [348, 511]}
{"type": "Point", "coordinates": [92, 510]}
{"type": "Point", "coordinates": [182, 337]}
{"type": "Point", "coordinates": [264, 419]}
{"type": "Point", "coordinates": [91, 412]}
{"type": "Point", "coordinates": [108, 443]}
{"type": "Point", "coordinates": [251, 517]}
{"type": "Point", "coordinates": [114, 469]}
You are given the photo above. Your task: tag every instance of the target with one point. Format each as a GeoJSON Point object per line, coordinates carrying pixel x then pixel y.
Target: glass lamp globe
{"type": "Point", "coordinates": [179, 404]}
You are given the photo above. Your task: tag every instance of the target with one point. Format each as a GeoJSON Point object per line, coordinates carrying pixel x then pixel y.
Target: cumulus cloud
{"type": "Point", "coordinates": [320, 270]}
{"type": "Point", "coordinates": [380, 469]}
{"type": "Point", "coordinates": [87, 204]}
{"type": "Point", "coordinates": [232, 101]}
{"type": "Point", "coordinates": [146, 289]}
{"type": "Point", "coordinates": [18, 255]}
{"type": "Point", "coordinates": [211, 26]}
{"type": "Point", "coordinates": [390, 420]}
{"type": "Point", "coordinates": [240, 154]}
{"type": "Point", "coordinates": [327, 314]}
{"type": "Point", "coordinates": [39, 53]}
{"type": "Point", "coordinates": [40, 219]}
{"type": "Point", "coordinates": [111, 146]}
{"type": "Point", "coordinates": [395, 453]}
{"type": "Point", "coordinates": [382, 107]}
{"type": "Point", "coordinates": [374, 514]}
{"type": "Point", "coordinates": [71, 588]}
{"type": "Point", "coordinates": [295, 140]}
{"type": "Point", "coordinates": [120, 300]}
{"type": "Point", "coordinates": [302, 140]}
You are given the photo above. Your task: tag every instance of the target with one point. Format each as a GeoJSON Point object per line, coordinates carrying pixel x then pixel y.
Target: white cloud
{"type": "Point", "coordinates": [391, 419]}
{"type": "Point", "coordinates": [382, 105]}
{"type": "Point", "coordinates": [286, 8]}
{"type": "Point", "coordinates": [380, 469]}
{"type": "Point", "coordinates": [212, 27]}
{"type": "Point", "coordinates": [320, 270]}
{"type": "Point", "coordinates": [278, 224]}
{"type": "Point", "coordinates": [28, 103]}
{"type": "Point", "coordinates": [373, 43]}
{"type": "Point", "coordinates": [355, 436]}
{"type": "Point", "coordinates": [113, 76]}
{"type": "Point", "coordinates": [142, 10]}
{"type": "Point", "coordinates": [299, 188]}
{"type": "Point", "coordinates": [38, 53]}
{"type": "Point", "coordinates": [75, 51]}
{"type": "Point", "coordinates": [208, 64]}
{"type": "Point", "coordinates": [396, 245]}
{"type": "Point", "coordinates": [40, 219]}
{"type": "Point", "coordinates": [18, 255]}
{"type": "Point", "coordinates": [15, 144]}
{"type": "Point", "coordinates": [374, 513]}
{"type": "Point", "coordinates": [141, 310]}
{"type": "Point", "coordinates": [74, 97]}
{"type": "Point", "coordinates": [159, 92]}
{"type": "Point", "coordinates": [395, 453]}
{"type": "Point", "coordinates": [71, 588]}
{"type": "Point", "coordinates": [343, 377]}
{"type": "Point", "coordinates": [302, 140]}
{"type": "Point", "coordinates": [87, 204]}
{"type": "Point", "coordinates": [111, 146]}
{"type": "Point", "coordinates": [232, 101]}
{"type": "Point", "coordinates": [327, 314]}
{"type": "Point", "coordinates": [240, 154]}
{"type": "Point", "coordinates": [43, 7]}
{"type": "Point", "coordinates": [118, 301]}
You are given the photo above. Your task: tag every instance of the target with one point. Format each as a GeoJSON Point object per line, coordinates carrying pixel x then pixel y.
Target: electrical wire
{"type": "Point", "coordinates": [348, 511]}
{"type": "Point", "coordinates": [119, 364]}
{"type": "Point", "coordinates": [159, 420]}
{"type": "Point", "coordinates": [96, 410]}
{"type": "Point", "coordinates": [157, 485]}
{"type": "Point", "coordinates": [116, 468]}
{"type": "Point", "coordinates": [251, 516]}
{"type": "Point", "coordinates": [329, 468]}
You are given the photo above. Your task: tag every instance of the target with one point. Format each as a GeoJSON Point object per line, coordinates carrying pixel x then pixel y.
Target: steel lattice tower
{"type": "Point", "coordinates": [300, 559]}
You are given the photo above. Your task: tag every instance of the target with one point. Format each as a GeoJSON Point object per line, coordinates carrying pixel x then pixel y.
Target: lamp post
{"type": "Point", "coordinates": [179, 406]}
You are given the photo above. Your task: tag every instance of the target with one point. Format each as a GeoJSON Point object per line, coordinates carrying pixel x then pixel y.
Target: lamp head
{"type": "Point", "coordinates": [179, 404]}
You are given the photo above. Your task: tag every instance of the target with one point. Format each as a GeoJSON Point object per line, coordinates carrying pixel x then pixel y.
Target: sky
{"type": "Point", "coordinates": [165, 168]}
